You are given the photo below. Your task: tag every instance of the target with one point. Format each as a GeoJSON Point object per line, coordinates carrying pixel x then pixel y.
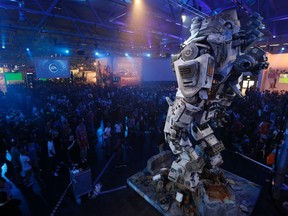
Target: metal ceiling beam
{"type": "Point", "coordinates": [125, 4]}
{"type": "Point", "coordinates": [153, 31]}
{"type": "Point", "coordinates": [49, 14]}
{"type": "Point", "coordinates": [73, 19]}
{"type": "Point", "coordinates": [47, 11]}
{"type": "Point", "coordinates": [243, 7]}
{"type": "Point", "coordinates": [118, 16]}
{"type": "Point", "coordinates": [172, 11]}
{"type": "Point", "coordinates": [39, 5]}
{"type": "Point", "coordinates": [26, 28]}
{"type": "Point", "coordinates": [189, 8]}
{"type": "Point", "coordinates": [278, 18]}
{"type": "Point", "coordinates": [73, 23]}
{"type": "Point", "coordinates": [94, 12]}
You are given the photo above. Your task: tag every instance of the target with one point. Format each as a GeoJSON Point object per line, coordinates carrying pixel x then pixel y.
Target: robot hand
{"type": "Point", "coordinates": [220, 117]}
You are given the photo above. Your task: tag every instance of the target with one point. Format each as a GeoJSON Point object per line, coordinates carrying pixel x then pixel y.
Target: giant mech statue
{"type": "Point", "coordinates": [208, 69]}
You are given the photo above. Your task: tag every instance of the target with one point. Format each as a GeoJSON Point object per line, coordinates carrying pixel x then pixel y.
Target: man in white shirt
{"type": "Point", "coordinates": [51, 155]}
{"type": "Point", "coordinates": [26, 168]}
{"type": "Point", "coordinates": [107, 139]}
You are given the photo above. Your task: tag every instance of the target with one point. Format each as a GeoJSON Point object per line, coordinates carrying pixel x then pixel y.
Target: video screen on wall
{"type": "Point", "coordinates": [283, 78]}
{"type": "Point", "coordinates": [52, 67]}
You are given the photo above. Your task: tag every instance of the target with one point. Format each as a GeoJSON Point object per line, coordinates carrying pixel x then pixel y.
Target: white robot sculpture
{"type": "Point", "coordinates": [208, 69]}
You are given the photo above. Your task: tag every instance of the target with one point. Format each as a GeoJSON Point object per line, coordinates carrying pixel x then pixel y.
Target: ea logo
{"type": "Point", "coordinates": [53, 68]}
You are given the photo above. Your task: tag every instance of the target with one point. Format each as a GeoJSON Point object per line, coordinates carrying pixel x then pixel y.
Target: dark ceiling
{"type": "Point", "coordinates": [49, 27]}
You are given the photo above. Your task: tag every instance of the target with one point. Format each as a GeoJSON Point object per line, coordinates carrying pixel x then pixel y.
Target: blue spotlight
{"type": "Point", "coordinates": [3, 46]}
{"type": "Point", "coordinates": [96, 53]}
{"type": "Point", "coordinates": [283, 48]}
{"type": "Point", "coordinates": [27, 49]}
{"type": "Point", "coordinates": [148, 55]}
{"type": "Point", "coordinates": [67, 51]}
{"type": "Point", "coordinates": [126, 54]}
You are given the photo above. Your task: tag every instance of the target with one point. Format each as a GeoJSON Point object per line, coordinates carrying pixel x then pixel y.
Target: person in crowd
{"type": "Point", "coordinates": [264, 127]}
{"type": "Point", "coordinates": [33, 150]}
{"type": "Point", "coordinates": [107, 139]}
{"type": "Point", "coordinates": [82, 139]}
{"type": "Point", "coordinates": [120, 160]}
{"type": "Point", "coordinates": [52, 161]}
{"type": "Point", "coordinates": [15, 160]}
{"type": "Point", "coordinates": [118, 130]}
{"type": "Point", "coordinates": [26, 167]}
{"type": "Point", "coordinates": [100, 133]}
{"type": "Point", "coordinates": [271, 158]}
{"type": "Point", "coordinates": [72, 151]}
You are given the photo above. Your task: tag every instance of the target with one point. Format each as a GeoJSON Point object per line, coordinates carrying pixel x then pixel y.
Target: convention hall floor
{"type": "Point", "coordinates": [50, 195]}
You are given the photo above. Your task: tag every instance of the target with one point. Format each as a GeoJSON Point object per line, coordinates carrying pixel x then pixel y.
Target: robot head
{"type": "Point", "coordinates": [224, 23]}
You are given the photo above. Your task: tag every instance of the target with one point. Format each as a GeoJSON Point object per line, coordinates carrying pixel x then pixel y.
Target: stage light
{"type": "Point", "coordinates": [183, 17]}
{"type": "Point", "coordinates": [274, 36]}
{"type": "Point", "coordinates": [96, 53]}
{"type": "Point", "coordinates": [27, 49]}
{"type": "Point", "coordinates": [148, 55]}
{"type": "Point", "coordinates": [3, 39]}
{"type": "Point", "coordinates": [137, 1]}
{"type": "Point", "coordinates": [67, 51]}
{"type": "Point", "coordinates": [150, 46]}
{"type": "Point", "coordinates": [126, 54]}
{"type": "Point", "coordinates": [283, 48]}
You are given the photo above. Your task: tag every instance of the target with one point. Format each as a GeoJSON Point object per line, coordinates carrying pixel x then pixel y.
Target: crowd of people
{"type": "Point", "coordinates": [55, 124]}
{"type": "Point", "coordinates": [256, 123]}
{"type": "Point", "coordinates": [58, 122]}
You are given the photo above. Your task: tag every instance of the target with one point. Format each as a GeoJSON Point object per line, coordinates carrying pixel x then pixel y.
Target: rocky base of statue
{"type": "Point", "coordinates": [219, 192]}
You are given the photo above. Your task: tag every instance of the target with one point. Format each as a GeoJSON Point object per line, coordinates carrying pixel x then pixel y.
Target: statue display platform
{"type": "Point", "coordinates": [237, 197]}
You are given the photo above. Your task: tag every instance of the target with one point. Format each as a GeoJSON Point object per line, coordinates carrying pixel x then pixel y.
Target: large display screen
{"type": "Point", "coordinates": [283, 78]}
{"type": "Point", "coordinates": [52, 67]}
{"type": "Point", "coordinates": [15, 76]}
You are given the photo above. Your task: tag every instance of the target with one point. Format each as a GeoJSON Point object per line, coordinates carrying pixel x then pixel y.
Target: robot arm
{"type": "Point", "coordinates": [253, 61]}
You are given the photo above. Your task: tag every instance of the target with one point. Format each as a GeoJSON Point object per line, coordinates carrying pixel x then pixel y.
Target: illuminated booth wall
{"type": "Point", "coordinates": [128, 70]}
{"type": "Point", "coordinates": [2, 81]}
{"type": "Point", "coordinates": [157, 70]}
{"type": "Point", "coordinates": [134, 70]}
{"type": "Point", "coordinates": [276, 76]}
